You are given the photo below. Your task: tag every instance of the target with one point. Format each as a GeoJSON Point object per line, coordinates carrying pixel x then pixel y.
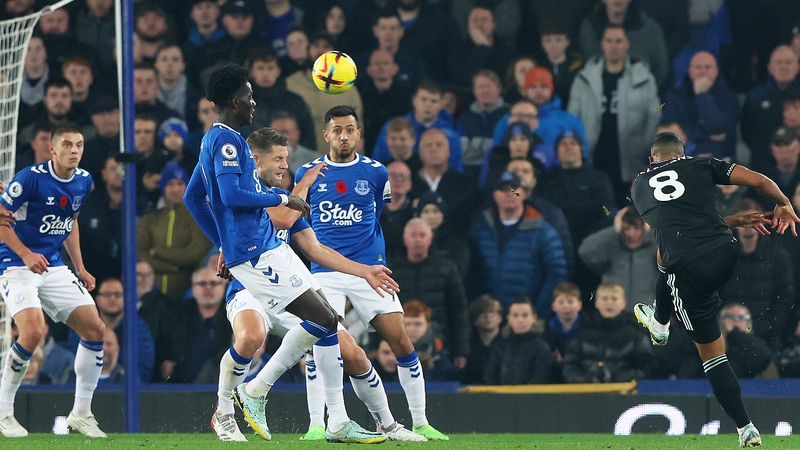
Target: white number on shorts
{"type": "Point", "coordinates": [667, 187]}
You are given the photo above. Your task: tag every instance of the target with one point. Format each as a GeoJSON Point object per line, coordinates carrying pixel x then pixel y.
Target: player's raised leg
{"type": "Point", "coordinates": [88, 364]}
{"type": "Point", "coordinates": [30, 324]}
{"type": "Point", "coordinates": [392, 328]}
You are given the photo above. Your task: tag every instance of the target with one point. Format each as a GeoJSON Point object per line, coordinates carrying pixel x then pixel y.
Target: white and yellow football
{"type": "Point", "coordinates": [334, 72]}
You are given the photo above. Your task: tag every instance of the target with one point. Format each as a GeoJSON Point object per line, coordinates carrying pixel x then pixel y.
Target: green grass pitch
{"type": "Point", "coordinates": [457, 442]}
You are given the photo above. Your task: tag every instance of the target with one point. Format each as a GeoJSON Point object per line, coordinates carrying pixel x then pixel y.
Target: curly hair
{"type": "Point", "coordinates": [223, 83]}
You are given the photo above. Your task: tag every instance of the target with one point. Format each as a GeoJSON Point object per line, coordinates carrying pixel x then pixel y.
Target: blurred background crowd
{"type": "Point", "coordinates": [511, 130]}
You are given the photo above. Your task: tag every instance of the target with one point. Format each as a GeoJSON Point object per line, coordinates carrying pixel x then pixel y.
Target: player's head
{"type": "Point", "coordinates": [521, 315]}
{"type": "Point", "coordinates": [567, 301]}
{"type": "Point", "coordinates": [342, 132]}
{"type": "Point", "coordinates": [666, 145]}
{"type": "Point", "coordinates": [417, 319]}
{"type": "Point", "coordinates": [609, 299]}
{"type": "Point", "coordinates": [231, 93]}
{"type": "Point", "coordinates": [66, 146]}
{"type": "Point", "coordinates": [270, 153]}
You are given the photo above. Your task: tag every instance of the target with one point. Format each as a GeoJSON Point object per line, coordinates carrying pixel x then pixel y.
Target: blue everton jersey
{"type": "Point", "coordinates": [244, 233]}
{"type": "Point", "coordinates": [284, 235]}
{"type": "Point", "coordinates": [45, 206]}
{"type": "Point", "coordinates": [345, 207]}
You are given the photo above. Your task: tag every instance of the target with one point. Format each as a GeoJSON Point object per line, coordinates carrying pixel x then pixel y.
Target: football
{"type": "Point", "coordinates": [334, 72]}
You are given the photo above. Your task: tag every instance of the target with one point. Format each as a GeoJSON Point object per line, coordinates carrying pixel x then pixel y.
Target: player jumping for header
{"type": "Point", "coordinates": [697, 255]}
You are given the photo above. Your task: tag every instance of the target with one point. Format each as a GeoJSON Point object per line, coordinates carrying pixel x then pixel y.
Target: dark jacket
{"type": "Point", "coordinates": [519, 359]}
{"type": "Point", "coordinates": [276, 99]}
{"type": "Point", "coordinates": [197, 343]}
{"type": "Point", "coordinates": [434, 357]}
{"type": "Point", "coordinates": [762, 114]}
{"type": "Point", "coordinates": [704, 115]}
{"type": "Point", "coordinates": [762, 281]}
{"type": "Point", "coordinates": [529, 262]}
{"type": "Point", "coordinates": [748, 354]}
{"type": "Point", "coordinates": [101, 236]}
{"type": "Point", "coordinates": [608, 351]}
{"type": "Point", "coordinates": [381, 107]}
{"type": "Point", "coordinates": [478, 358]}
{"type": "Point", "coordinates": [436, 282]}
{"type": "Point", "coordinates": [460, 195]}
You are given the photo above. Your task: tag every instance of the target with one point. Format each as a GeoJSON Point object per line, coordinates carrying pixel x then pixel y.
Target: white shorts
{"type": "Point", "coordinates": [276, 325]}
{"type": "Point", "coordinates": [338, 287]}
{"type": "Point", "coordinates": [277, 278]}
{"type": "Point", "coordinates": [57, 292]}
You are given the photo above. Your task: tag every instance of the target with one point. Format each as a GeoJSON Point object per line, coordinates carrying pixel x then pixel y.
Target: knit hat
{"type": "Point", "coordinates": [174, 124]}
{"type": "Point", "coordinates": [518, 129]}
{"type": "Point", "coordinates": [539, 75]}
{"type": "Point", "coordinates": [431, 198]}
{"type": "Point", "coordinates": [568, 134]}
{"type": "Point", "coordinates": [171, 172]}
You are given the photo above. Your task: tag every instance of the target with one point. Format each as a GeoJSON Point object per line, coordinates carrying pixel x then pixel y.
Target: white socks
{"type": "Point", "coordinates": [409, 370]}
{"type": "Point", "coordinates": [232, 372]}
{"type": "Point", "coordinates": [328, 359]}
{"type": "Point", "coordinates": [369, 388]}
{"type": "Point", "coordinates": [14, 369]}
{"type": "Point", "coordinates": [88, 364]}
{"type": "Point", "coordinates": [315, 393]}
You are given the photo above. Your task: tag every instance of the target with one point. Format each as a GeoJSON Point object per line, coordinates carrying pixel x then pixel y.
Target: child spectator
{"type": "Point", "coordinates": [520, 356]}
{"type": "Point", "coordinates": [486, 315]}
{"type": "Point", "coordinates": [434, 357]}
{"type": "Point", "coordinates": [514, 89]}
{"type": "Point", "coordinates": [174, 134]}
{"type": "Point", "coordinates": [610, 346]}
{"type": "Point", "coordinates": [385, 362]}
{"type": "Point", "coordinates": [562, 63]}
{"type": "Point", "coordinates": [562, 327]}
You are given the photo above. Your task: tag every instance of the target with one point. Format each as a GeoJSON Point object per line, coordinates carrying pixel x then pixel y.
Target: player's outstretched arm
{"type": "Point", "coordinates": [73, 246]}
{"type": "Point", "coordinates": [284, 218]}
{"type": "Point", "coordinates": [757, 221]}
{"type": "Point", "coordinates": [784, 216]}
{"type": "Point", "coordinates": [377, 276]}
{"type": "Point", "coordinates": [34, 261]}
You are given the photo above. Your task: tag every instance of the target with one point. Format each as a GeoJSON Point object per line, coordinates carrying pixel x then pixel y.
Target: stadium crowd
{"type": "Point", "coordinates": [511, 130]}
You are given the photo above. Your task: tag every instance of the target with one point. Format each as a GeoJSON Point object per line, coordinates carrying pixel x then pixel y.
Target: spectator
{"type": "Point", "coordinates": [706, 108]}
{"type": "Point", "coordinates": [317, 101]}
{"type": "Point", "coordinates": [431, 208]}
{"type": "Point", "coordinates": [678, 359]}
{"type": "Point", "coordinates": [58, 36]}
{"type": "Point", "coordinates": [78, 71]}
{"type": "Point", "coordinates": [583, 194]}
{"type": "Point", "coordinates": [58, 365]}
{"type": "Point", "coordinates": [174, 89]}
{"type": "Point", "coordinates": [151, 162]}
{"type": "Point", "coordinates": [104, 112]}
{"type": "Point", "coordinates": [785, 148]}
{"type": "Point", "coordinates": [155, 308]}
{"type": "Point", "coordinates": [145, 94]}
{"type": "Point", "coordinates": [281, 16]}
{"type": "Point", "coordinates": [37, 151]}
{"type": "Point", "coordinates": [437, 176]}
{"type": "Point", "coordinates": [206, 116]}
{"type": "Point", "coordinates": [36, 73]}
{"type": "Point", "coordinates": [520, 142]}
{"type": "Point", "coordinates": [729, 196]}
{"type": "Point", "coordinates": [749, 355]}
{"type": "Point", "coordinates": [286, 124]}
{"type": "Point", "coordinates": [109, 298]}
{"type": "Point", "coordinates": [673, 18]}
{"type": "Point", "coordinates": [795, 42]}
{"type": "Point", "coordinates": [201, 333]}
{"type": "Point", "coordinates": [336, 24]}
{"type": "Point", "coordinates": [401, 142]}
{"type": "Point", "coordinates": [787, 242]}
{"type": "Point", "coordinates": [152, 30]}
{"type": "Point", "coordinates": [616, 98]}
{"type": "Point", "coordinates": [564, 64]}
{"type": "Point", "coordinates": [762, 281]}
{"type": "Point", "coordinates": [477, 124]}
{"type": "Point", "coordinates": [388, 31]}
{"type": "Point", "coordinates": [610, 346]}
{"type": "Point", "coordinates": [101, 223]}
{"type": "Point", "coordinates": [385, 362]}
{"type": "Point", "coordinates": [384, 98]}
{"type": "Point", "coordinates": [433, 354]}
{"type": "Point", "coordinates": [516, 251]}
{"type": "Point", "coordinates": [645, 35]}
{"type": "Point", "coordinates": [762, 111]}
{"type": "Point", "coordinates": [520, 356]}
{"type": "Point", "coordinates": [514, 89]}
{"type": "Point", "coordinates": [566, 322]}
{"type": "Point", "coordinates": [432, 34]}
{"type": "Point", "coordinates": [272, 98]}
{"type": "Point", "coordinates": [791, 112]}
{"type": "Point", "coordinates": [98, 31]}
{"type": "Point", "coordinates": [486, 315]}
{"type": "Point", "coordinates": [399, 211]}
{"type": "Point", "coordinates": [552, 119]}
{"type": "Point", "coordinates": [674, 127]}
{"type": "Point", "coordinates": [552, 214]}
{"type": "Point", "coordinates": [55, 108]}
{"type": "Point", "coordinates": [537, 13]}
{"type": "Point", "coordinates": [484, 49]}
{"type": "Point", "coordinates": [169, 239]}
{"type": "Point", "coordinates": [112, 371]}
{"type": "Point", "coordinates": [506, 12]}
{"type": "Point", "coordinates": [172, 135]}
{"type": "Point", "coordinates": [206, 44]}
{"type": "Point", "coordinates": [427, 114]}
{"type": "Point", "coordinates": [241, 35]}
{"type": "Point", "coordinates": [297, 58]}
{"type": "Point", "coordinates": [435, 281]}
{"type": "Point", "coordinates": [625, 254]}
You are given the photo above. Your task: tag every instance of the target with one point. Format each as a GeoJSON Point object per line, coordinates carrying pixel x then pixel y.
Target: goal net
{"type": "Point", "coordinates": [15, 34]}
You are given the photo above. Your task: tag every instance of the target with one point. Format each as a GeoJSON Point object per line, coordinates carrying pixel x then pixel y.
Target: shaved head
{"type": "Point", "coordinates": [666, 145]}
